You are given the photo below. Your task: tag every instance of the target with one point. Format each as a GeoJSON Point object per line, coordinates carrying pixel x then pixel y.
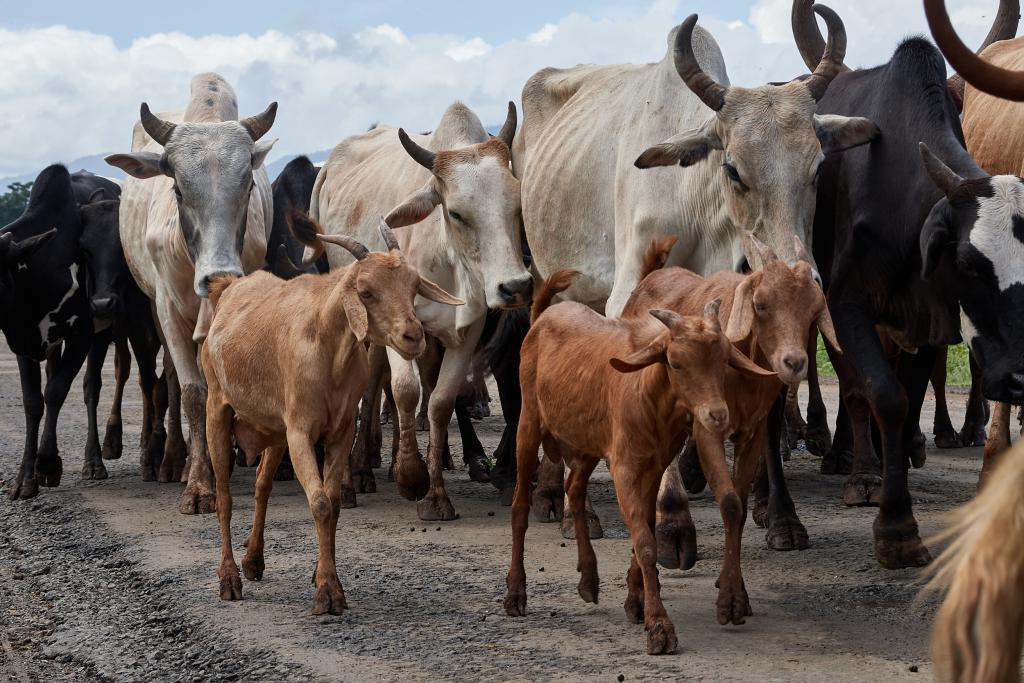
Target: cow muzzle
{"type": "Point", "coordinates": [516, 293]}
{"type": "Point", "coordinates": [202, 282]}
{"type": "Point", "coordinates": [104, 307]}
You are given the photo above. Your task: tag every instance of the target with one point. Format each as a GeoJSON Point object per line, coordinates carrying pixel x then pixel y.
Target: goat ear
{"type": "Point", "coordinates": [638, 360]}
{"type": "Point", "coordinates": [433, 291]}
{"type": "Point", "coordinates": [685, 149]}
{"type": "Point", "coordinates": [935, 237]}
{"type": "Point", "coordinates": [416, 207]}
{"type": "Point", "coordinates": [355, 311]}
{"type": "Point", "coordinates": [741, 317]}
{"type": "Point", "coordinates": [739, 362]}
{"type": "Point", "coordinates": [828, 331]}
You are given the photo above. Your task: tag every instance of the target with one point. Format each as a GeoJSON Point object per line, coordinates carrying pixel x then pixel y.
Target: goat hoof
{"type": "Point", "coordinates": [364, 482]}
{"type": "Point", "coordinates": [862, 489]}
{"type": "Point", "coordinates": [837, 462]}
{"type": "Point", "coordinates": [547, 504]}
{"type": "Point", "coordinates": [759, 513]}
{"type": "Point", "coordinates": [677, 544]}
{"type": "Point", "coordinates": [568, 527]}
{"type": "Point", "coordinates": [94, 470]}
{"type": "Point", "coordinates": [199, 502]}
{"type": "Point", "coordinates": [899, 545]}
{"type": "Point", "coordinates": [231, 586]}
{"type": "Point", "coordinates": [348, 498]}
{"type": "Point", "coordinates": [253, 567]}
{"type": "Point", "coordinates": [733, 605]}
{"type": "Point", "coordinates": [284, 472]}
{"type": "Point", "coordinates": [112, 446]}
{"type": "Point", "coordinates": [515, 603]}
{"type": "Point", "coordinates": [818, 440]}
{"type": "Point", "coordinates": [24, 489]}
{"type": "Point", "coordinates": [634, 608]}
{"type": "Point", "coordinates": [329, 598]}
{"type": "Point", "coordinates": [661, 638]}
{"type": "Point", "coordinates": [435, 508]}
{"type": "Point", "coordinates": [786, 532]}
{"type": "Point", "coordinates": [589, 587]}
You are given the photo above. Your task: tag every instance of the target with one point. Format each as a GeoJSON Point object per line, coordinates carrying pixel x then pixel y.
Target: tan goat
{"type": "Point", "coordinates": [628, 392]}
{"type": "Point", "coordinates": [286, 363]}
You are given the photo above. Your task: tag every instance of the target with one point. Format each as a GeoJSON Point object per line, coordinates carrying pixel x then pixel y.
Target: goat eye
{"type": "Point", "coordinates": [731, 171]}
{"type": "Point", "coordinates": [366, 296]}
{"type": "Point", "coordinates": [761, 308]}
{"type": "Point", "coordinates": [674, 366]}
{"type": "Point", "coordinates": [456, 217]}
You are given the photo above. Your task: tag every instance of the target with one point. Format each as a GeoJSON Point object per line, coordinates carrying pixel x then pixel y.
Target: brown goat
{"type": "Point", "coordinates": [286, 363]}
{"type": "Point", "coordinates": [769, 314]}
{"type": "Point", "coordinates": [629, 392]}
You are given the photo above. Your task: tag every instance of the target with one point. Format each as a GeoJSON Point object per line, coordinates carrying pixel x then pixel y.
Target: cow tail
{"type": "Point", "coordinates": [656, 255]}
{"type": "Point", "coordinates": [558, 282]}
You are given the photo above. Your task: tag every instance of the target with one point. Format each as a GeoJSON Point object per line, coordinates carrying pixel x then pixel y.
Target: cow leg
{"type": "Point", "coordinates": [576, 488]}
{"type": "Point", "coordinates": [92, 465]}
{"type": "Point", "coordinates": [472, 450]}
{"type": "Point", "coordinates": [690, 468]}
{"type": "Point", "coordinates": [942, 427]}
{"type": "Point", "coordinates": [785, 530]}
{"type": "Point", "coordinates": [864, 485]}
{"type": "Point", "coordinates": [548, 503]}
{"type": "Point", "coordinates": [25, 485]}
{"type": "Point", "coordinates": [253, 563]}
{"type": "Point", "coordinates": [839, 458]}
{"type": "Point", "coordinates": [218, 434]}
{"type": "Point", "coordinates": [172, 466]}
{"type": "Point", "coordinates": [436, 504]}
{"type": "Point", "coordinates": [637, 492]}
{"type": "Point", "coordinates": [76, 348]}
{"type": "Point", "coordinates": [973, 432]}
{"type": "Point", "coordinates": [675, 532]}
{"type": "Point", "coordinates": [506, 376]}
{"type": "Point", "coordinates": [817, 436]}
{"type": "Point", "coordinates": [112, 437]}
{"type": "Point", "coordinates": [998, 441]}
{"type": "Point", "coordinates": [528, 438]}
{"type": "Point", "coordinates": [410, 472]}
{"type": "Point", "coordinates": [364, 449]}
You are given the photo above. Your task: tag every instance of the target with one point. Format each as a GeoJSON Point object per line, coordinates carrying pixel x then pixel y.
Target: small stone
{"type": "Point", "coordinates": [424, 529]}
{"type": "Point", "coordinates": [491, 513]}
{"type": "Point", "coordinates": [412, 529]}
{"type": "Point", "coordinates": [913, 668]}
{"type": "Point", "coordinates": [438, 528]}
{"type": "Point", "coordinates": [562, 544]}
{"type": "Point", "coordinates": [620, 678]}
{"type": "Point", "coordinates": [541, 569]}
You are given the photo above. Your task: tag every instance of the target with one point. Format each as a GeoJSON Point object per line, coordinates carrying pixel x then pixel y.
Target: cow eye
{"type": "Point", "coordinates": [457, 217]}
{"type": "Point", "coordinates": [177, 192]}
{"type": "Point", "coordinates": [731, 171]}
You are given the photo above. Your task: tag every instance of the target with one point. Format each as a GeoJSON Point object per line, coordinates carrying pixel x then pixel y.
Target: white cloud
{"type": "Point", "coordinates": [67, 93]}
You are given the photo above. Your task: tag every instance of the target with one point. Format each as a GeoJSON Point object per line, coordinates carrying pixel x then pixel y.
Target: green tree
{"type": "Point", "coordinates": [13, 204]}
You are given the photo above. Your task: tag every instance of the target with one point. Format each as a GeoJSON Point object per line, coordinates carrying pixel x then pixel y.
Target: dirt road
{"type": "Point", "coordinates": [106, 580]}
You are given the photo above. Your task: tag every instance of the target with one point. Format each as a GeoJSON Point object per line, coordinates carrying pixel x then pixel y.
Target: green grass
{"type": "Point", "coordinates": [958, 369]}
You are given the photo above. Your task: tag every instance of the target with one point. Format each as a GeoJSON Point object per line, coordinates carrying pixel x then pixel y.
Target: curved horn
{"type": "Point", "coordinates": [976, 71]}
{"type": "Point", "coordinates": [835, 51]}
{"type": "Point", "coordinates": [259, 125]}
{"type": "Point", "coordinates": [753, 246]}
{"type": "Point", "coordinates": [666, 318]}
{"type": "Point", "coordinates": [354, 247]}
{"type": "Point", "coordinates": [6, 239]}
{"type": "Point", "coordinates": [389, 237]}
{"type": "Point", "coordinates": [943, 176]}
{"type": "Point", "coordinates": [711, 310]}
{"type": "Point", "coordinates": [508, 129]}
{"type": "Point", "coordinates": [702, 85]}
{"type": "Point", "coordinates": [423, 157]}
{"type": "Point", "coordinates": [155, 127]}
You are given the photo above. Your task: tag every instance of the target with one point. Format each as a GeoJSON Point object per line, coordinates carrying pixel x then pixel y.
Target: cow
{"type": "Point", "coordinates": [291, 189]}
{"type": "Point", "coordinates": [904, 261]}
{"type": "Point", "coordinates": [455, 187]}
{"type": "Point", "coordinates": [286, 363]}
{"type": "Point", "coordinates": [44, 315]}
{"type": "Point", "coordinates": [197, 204]}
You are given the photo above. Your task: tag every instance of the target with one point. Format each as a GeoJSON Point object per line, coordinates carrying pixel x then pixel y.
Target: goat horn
{"type": "Point", "coordinates": [666, 318]}
{"type": "Point", "coordinates": [389, 237]}
{"type": "Point", "coordinates": [355, 248]}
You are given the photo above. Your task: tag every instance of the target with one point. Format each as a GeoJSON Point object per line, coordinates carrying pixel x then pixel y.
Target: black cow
{"type": "Point", "coordinates": [292, 190]}
{"type": "Point", "coordinates": [896, 254]}
{"type": "Point", "coordinates": [43, 305]}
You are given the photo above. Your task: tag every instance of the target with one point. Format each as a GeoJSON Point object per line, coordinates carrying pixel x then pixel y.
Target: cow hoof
{"type": "Point", "coordinates": [900, 546]}
{"type": "Point", "coordinates": [733, 606]}
{"type": "Point", "coordinates": [677, 544]}
{"type": "Point", "coordinates": [112, 446]}
{"type": "Point", "coordinates": [589, 586]}
{"type": "Point", "coordinates": [94, 470]}
{"type": "Point", "coordinates": [348, 498]}
{"type": "Point", "coordinates": [284, 472]}
{"type": "Point", "coordinates": [502, 478]}
{"type": "Point", "coordinates": [786, 532]}
{"type": "Point", "coordinates": [918, 451]}
{"type": "Point", "coordinates": [478, 410]}
{"type": "Point", "coordinates": [973, 435]}
{"type": "Point", "coordinates": [548, 503]}
{"type": "Point", "coordinates": [435, 508]}
{"type": "Point", "coordinates": [506, 495]}
{"type": "Point", "coordinates": [634, 608]}
{"type": "Point", "coordinates": [794, 433]}
{"type": "Point", "coordinates": [197, 503]}
{"type": "Point", "coordinates": [422, 422]}
{"type": "Point", "coordinates": [661, 638]}
{"type": "Point", "coordinates": [515, 602]}
{"type": "Point", "coordinates": [49, 471]}
{"type": "Point", "coordinates": [837, 462]}
{"type": "Point", "coordinates": [329, 599]}
{"type": "Point", "coordinates": [593, 526]}
{"type": "Point", "coordinates": [253, 567]}
{"type": "Point", "coordinates": [862, 489]}
{"type": "Point", "coordinates": [691, 471]}
{"type": "Point", "coordinates": [478, 471]}
{"type": "Point", "coordinates": [364, 482]}
{"type": "Point", "coordinates": [947, 439]}
{"type": "Point", "coordinates": [24, 489]}
{"type": "Point", "coordinates": [231, 587]}
{"type": "Point", "coordinates": [759, 513]}
{"type": "Point", "coordinates": [411, 477]}
{"type": "Point", "coordinates": [818, 440]}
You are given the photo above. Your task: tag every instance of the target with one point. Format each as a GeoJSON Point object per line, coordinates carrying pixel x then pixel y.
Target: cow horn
{"type": "Point", "coordinates": [389, 237]}
{"type": "Point", "coordinates": [6, 239]}
{"type": "Point", "coordinates": [702, 85]}
{"type": "Point", "coordinates": [155, 127]}
{"type": "Point", "coordinates": [259, 125]}
{"type": "Point", "coordinates": [835, 51]}
{"type": "Point", "coordinates": [943, 176]}
{"type": "Point", "coordinates": [354, 247]}
{"type": "Point", "coordinates": [423, 157]}
{"type": "Point", "coordinates": [975, 70]}
{"type": "Point", "coordinates": [508, 129]}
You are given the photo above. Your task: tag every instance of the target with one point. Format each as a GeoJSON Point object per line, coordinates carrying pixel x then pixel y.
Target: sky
{"type": "Point", "coordinates": [73, 74]}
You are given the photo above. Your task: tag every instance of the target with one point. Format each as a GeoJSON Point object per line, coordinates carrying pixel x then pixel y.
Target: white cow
{"type": "Point", "coordinates": [197, 204]}
{"type": "Point", "coordinates": [462, 201]}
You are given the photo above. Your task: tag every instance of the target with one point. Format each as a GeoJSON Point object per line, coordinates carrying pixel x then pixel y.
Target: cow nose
{"type": "Point", "coordinates": [795, 363]}
{"type": "Point", "coordinates": [103, 307]}
{"type": "Point", "coordinates": [516, 292]}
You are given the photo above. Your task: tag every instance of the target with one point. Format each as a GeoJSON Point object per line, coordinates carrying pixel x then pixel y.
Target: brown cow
{"type": "Point", "coordinates": [286, 363]}
{"type": "Point", "coordinates": [629, 392]}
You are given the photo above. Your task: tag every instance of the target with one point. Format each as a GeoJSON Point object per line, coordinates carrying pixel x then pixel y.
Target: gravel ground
{"type": "Point", "coordinates": [107, 581]}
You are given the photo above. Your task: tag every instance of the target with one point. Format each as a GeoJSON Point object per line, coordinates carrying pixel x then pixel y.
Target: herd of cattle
{"type": "Point", "coordinates": [878, 207]}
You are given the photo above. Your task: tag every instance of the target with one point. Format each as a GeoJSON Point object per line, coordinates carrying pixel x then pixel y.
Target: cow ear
{"type": "Point", "coordinates": [433, 291]}
{"type": "Point", "coordinates": [415, 208]}
{"type": "Point", "coordinates": [260, 151]}
{"type": "Point", "coordinates": [355, 311]}
{"type": "Point", "coordinates": [936, 235]}
{"type": "Point", "coordinates": [140, 165]}
{"type": "Point", "coordinates": [684, 149]}
{"type": "Point", "coordinates": [741, 317]}
{"type": "Point", "coordinates": [738, 361]}
{"type": "Point", "coordinates": [20, 251]}
{"type": "Point", "coordinates": [638, 360]}
{"type": "Point", "coordinates": [840, 133]}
